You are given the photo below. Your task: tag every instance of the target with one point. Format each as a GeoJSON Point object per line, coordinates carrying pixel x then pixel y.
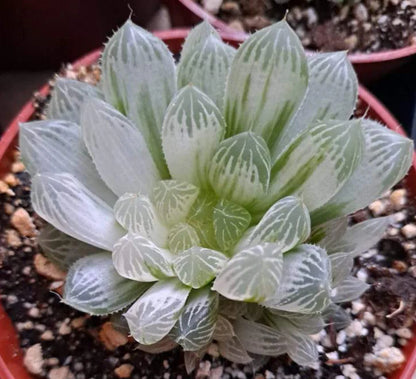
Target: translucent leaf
{"type": "Point", "coordinates": [62, 249]}
{"type": "Point", "coordinates": [153, 316]}
{"type": "Point", "coordinates": [64, 202]}
{"type": "Point", "coordinates": [223, 329]}
{"type": "Point", "coordinates": [240, 169]}
{"type": "Point", "coordinates": [230, 222]}
{"type": "Point", "coordinates": [93, 286]}
{"type": "Point", "coordinates": [165, 344]}
{"type": "Point", "coordinates": [197, 266]}
{"type": "Point", "coordinates": [259, 338]}
{"type": "Point", "coordinates": [173, 200]}
{"type": "Point", "coordinates": [192, 130]}
{"type": "Point", "coordinates": [252, 275]}
{"type": "Point", "coordinates": [337, 316]}
{"type": "Point", "coordinates": [196, 325]}
{"type": "Point", "coordinates": [191, 361]}
{"type": "Point", "coordinates": [286, 222]}
{"type": "Point", "coordinates": [331, 94]}
{"type": "Point", "coordinates": [386, 159]}
{"type": "Point", "coordinates": [136, 213]}
{"type": "Point", "coordinates": [302, 349]}
{"type": "Point", "coordinates": [138, 78]}
{"type": "Point", "coordinates": [303, 323]}
{"type": "Point", "coordinates": [267, 81]}
{"type": "Point", "coordinates": [206, 65]}
{"type": "Point", "coordinates": [67, 98]}
{"type": "Point", "coordinates": [182, 237]}
{"type": "Point", "coordinates": [56, 147]}
{"type": "Point", "coordinates": [254, 312]}
{"type": "Point", "coordinates": [232, 309]}
{"type": "Point", "coordinates": [318, 163]}
{"type": "Point", "coordinates": [328, 233]}
{"type": "Point", "coordinates": [349, 289]}
{"type": "Point", "coordinates": [341, 266]}
{"type": "Point", "coordinates": [234, 351]}
{"type": "Point", "coordinates": [138, 258]}
{"type": "Point", "coordinates": [304, 285]}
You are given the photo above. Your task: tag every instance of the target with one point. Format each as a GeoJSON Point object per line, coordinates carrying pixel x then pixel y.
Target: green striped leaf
{"type": "Point", "coordinates": [349, 289]}
{"type": "Point", "coordinates": [341, 266]}
{"type": "Point", "coordinates": [156, 312]}
{"type": "Point", "coordinates": [162, 346]}
{"type": "Point", "coordinates": [286, 222]}
{"type": "Point", "coordinates": [386, 159]}
{"type": "Point", "coordinates": [192, 130]}
{"type": "Point", "coordinates": [240, 169]}
{"type": "Point", "coordinates": [252, 275]}
{"type": "Point", "coordinates": [223, 329]}
{"type": "Point", "coordinates": [118, 149]}
{"type": "Point", "coordinates": [304, 284]}
{"type": "Point", "coordinates": [67, 97]}
{"type": "Point", "coordinates": [337, 316]}
{"type": "Point", "coordinates": [93, 286]}
{"type": "Point", "coordinates": [234, 351]}
{"type": "Point", "coordinates": [138, 78]}
{"type": "Point", "coordinates": [304, 323]}
{"type": "Point", "coordinates": [182, 237]}
{"type": "Point", "coordinates": [328, 233]}
{"type": "Point", "coordinates": [267, 81]}
{"type": "Point", "coordinates": [197, 266]}
{"type": "Point", "coordinates": [230, 222]}
{"type": "Point", "coordinates": [173, 200]}
{"type": "Point", "coordinates": [195, 327]}
{"type": "Point", "coordinates": [138, 258]}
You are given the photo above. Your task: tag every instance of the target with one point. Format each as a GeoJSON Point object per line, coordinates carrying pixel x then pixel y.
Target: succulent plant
{"type": "Point", "coordinates": [209, 200]}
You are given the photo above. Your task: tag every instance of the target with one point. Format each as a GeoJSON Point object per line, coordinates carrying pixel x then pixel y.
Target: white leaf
{"type": "Point", "coordinates": [197, 266]}
{"type": "Point", "coordinates": [196, 325]}
{"type": "Point", "coordinates": [165, 344]}
{"type": "Point", "coordinates": [173, 200]}
{"type": "Point", "coordinates": [138, 78]}
{"type": "Point", "coordinates": [267, 81]}
{"type": "Point", "coordinates": [192, 130]}
{"type": "Point", "coordinates": [64, 202]}
{"type": "Point", "coordinates": [136, 213]}
{"type": "Point", "coordinates": [56, 147]}
{"type": "Point", "coordinates": [349, 289]}
{"type": "Point", "coordinates": [341, 266]}
{"type": "Point", "coordinates": [182, 237]}
{"type": "Point", "coordinates": [153, 316]}
{"type": "Point", "coordinates": [386, 159]}
{"type": "Point", "coordinates": [223, 329]}
{"type": "Point", "coordinates": [304, 285]}
{"type": "Point", "coordinates": [138, 258]}
{"type": "Point", "coordinates": [118, 149]}
{"type": "Point", "coordinates": [67, 98]}
{"type": "Point", "coordinates": [93, 286]}
{"type": "Point", "coordinates": [252, 275]}
{"type": "Point", "coordinates": [234, 351]}
{"type": "Point", "coordinates": [240, 169]}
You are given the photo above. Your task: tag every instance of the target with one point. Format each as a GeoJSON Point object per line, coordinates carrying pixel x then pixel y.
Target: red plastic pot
{"type": "Point", "coordinates": [11, 366]}
{"type": "Point", "coordinates": [369, 66]}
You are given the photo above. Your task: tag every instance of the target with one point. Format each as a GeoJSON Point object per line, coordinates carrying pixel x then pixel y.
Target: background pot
{"type": "Point", "coordinates": [11, 366]}
{"type": "Point", "coordinates": [369, 66]}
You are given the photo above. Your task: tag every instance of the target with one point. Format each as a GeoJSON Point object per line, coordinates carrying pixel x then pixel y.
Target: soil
{"type": "Point", "coordinates": [327, 25]}
{"type": "Point", "coordinates": [59, 342]}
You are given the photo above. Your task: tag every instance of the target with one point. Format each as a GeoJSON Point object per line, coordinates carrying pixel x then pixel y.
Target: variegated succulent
{"type": "Point", "coordinates": [209, 200]}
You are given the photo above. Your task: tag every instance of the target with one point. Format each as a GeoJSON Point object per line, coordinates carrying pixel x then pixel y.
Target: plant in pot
{"type": "Point", "coordinates": [217, 211]}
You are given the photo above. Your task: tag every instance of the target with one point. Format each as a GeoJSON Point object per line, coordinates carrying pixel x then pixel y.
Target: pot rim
{"type": "Point", "coordinates": [10, 353]}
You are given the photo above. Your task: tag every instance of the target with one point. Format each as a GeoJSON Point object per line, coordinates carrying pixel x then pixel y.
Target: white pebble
{"type": "Point", "coordinates": [402, 341]}
{"type": "Point", "coordinates": [404, 333]}
{"type": "Point", "coordinates": [409, 230]}
{"type": "Point", "coordinates": [399, 216]}
{"type": "Point", "coordinates": [369, 318]}
{"type": "Point", "coordinates": [362, 274]}
{"type": "Point", "coordinates": [354, 329]}
{"type": "Point", "coordinates": [357, 307]}
{"type": "Point", "coordinates": [378, 333]}
{"type": "Point", "coordinates": [342, 348]}
{"type": "Point", "coordinates": [333, 355]}
{"type": "Point", "coordinates": [383, 342]}
{"type": "Point", "coordinates": [349, 371]}
{"type": "Point", "coordinates": [341, 337]}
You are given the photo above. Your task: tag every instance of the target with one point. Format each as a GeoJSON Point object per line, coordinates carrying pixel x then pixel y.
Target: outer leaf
{"type": "Point", "coordinates": [232, 309]}
{"type": "Point", "coordinates": [67, 98]}
{"type": "Point", "coordinates": [331, 94]}
{"type": "Point", "coordinates": [303, 323]}
{"type": "Point", "coordinates": [234, 351]}
{"type": "Point", "coordinates": [251, 275]}
{"type": "Point", "coordinates": [341, 266]}
{"type": "Point", "coordinates": [62, 249]}
{"type": "Point", "coordinates": [138, 78]}
{"type": "Point", "coordinates": [118, 149]}
{"type": "Point", "coordinates": [267, 81]}
{"type": "Point", "coordinates": [349, 289]}
{"type": "Point", "coordinates": [93, 286]}
{"type": "Point", "coordinates": [240, 169]}
{"type": "Point", "coordinates": [195, 327]}
{"type": "Point", "coordinates": [136, 213]}
{"type": "Point", "coordinates": [165, 344]}
{"type": "Point", "coordinates": [318, 163]}
{"type": "Point", "coordinates": [197, 266]}
{"type": "Point", "coordinates": [174, 199]}
{"type": "Point", "coordinates": [56, 147]}
{"type": "Point", "coordinates": [192, 130]}
{"type": "Point", "coordinates": [138, 258]}
{"type": "Point", "coordinates": [230, 223]}
{"type": "Point", "coordinates": [182, 237]}
{"type": "Point", "coordinates": [337, 316]}
{"type": "Point", "coordinates": [304, 285]}
{"type": "Point", "coordinates": [223, 329]}
{"type": "Point", "coordinates": [328, 233]}
{"type": "Point", "coordinates": [286, 222]}
{"type": "Point", "coordinates": [65, 203]}
{"type": "Point", "coordinates": [302, 349]}
{"type": "Point", "coordinates": [153, 316]}
{"type": "Point", "coordinates": [387, 158]}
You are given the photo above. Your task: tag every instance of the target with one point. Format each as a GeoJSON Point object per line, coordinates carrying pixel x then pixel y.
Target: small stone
{"type": "Point", "coordinates": [386, 360]}
{"type": "Point", "coordinates": [13, 239]}
{"type": "Point", "coordinates": [213, 350]}
{"type": "Point", "coordinates": [382, 19]}
{"type": "Point", "coordinates": [216, 373]}
{"type": "Point", "coordinates": [52, 361]}
{"type": "Point", "coordinates": [383, 342]}
{"type": "Point", "coordinates": [124, 371]}
{"type": "Point", "coordinates": [357, 307]}
{"type": "Point", "coordinates": [33, 359]}
{"type": "Point", "coordinates": [110, 337]}
{"type": "Point", "coordinates": [377, 208]}
{"type": "Point", "coordinates": [4, 188]}
{"type": "Point", "coordinates": [351, 41]}
{"type": "Point", "coordinates": [12, 299]}
{"type": "Point", "coordinates": [203, 370]}
{"type": "Point", "coordinates": [166, 364]}
{"type": "Point", "coordinates": [399, 217]}
{"type": "Point", "coordinates": [22, 221]}
{"type": "Point", "coordinates": [18, 167]}
{"type": "Point", "coordinates": [398, 198]}
{"type": "Point", "coordinates": [404, 333]}
{"type": "Point", "coordinates": [231, 7]}
{"type": "Point", "coordinates": [311, 16]}
{"type": "Point", "coordinates": [343, 13]}
{"type": "Point", "coordinates": [395, 2]}
{"type": "Point", "coordinates": [349, 371]}
{"type": "Point", "coordinates": [11, 180]}
{"type": "Point", "coordinates": [27, 325]}
{"type": "Point", "coordinates": [34, 312]}
{"type": "Point", "coordinates": [60, 373]}
{"type": "Point", "coordinates": [341, 337]}
{"type": "Point", "coordinates": [47, 335]}
{"type": "Point", "coordinates": [212, 6]}
{"type": "Point", "coordinates": [8, 208]}
{"type": "Point", "coordinates": [405, 4]}
{"type": "Point", "coordinates": [409, 231]}
{"type": "Point", "coordinates": [354, 329]}
{"type": "Point", "coordinates": [78, 322]}
{"type": "Point", "coordinates": [369, 318]}
{"type": "Point", "coordinates": [400, 266]}
{"type": "Point", "coordinates": [46, 268]}
{"type": "Point", "coordinates": [333, 355]}
{"type": "Point", "coordinates": [361, 12]}
{"type": "Point", "coordinates": [64, 328]}
{"type": "Point", "coordinates": [237, 25]}
{"type": "Point", "coordinates": [402, 341]}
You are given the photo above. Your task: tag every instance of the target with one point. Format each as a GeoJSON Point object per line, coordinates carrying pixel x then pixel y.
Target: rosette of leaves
{"type": "Point", "coordinates": [208, 200]}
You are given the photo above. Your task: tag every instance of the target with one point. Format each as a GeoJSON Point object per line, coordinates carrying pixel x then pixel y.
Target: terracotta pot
{"type": "Point", "coordinates": [11, 366]}
{"type": "Point", "coordinates": [369, 66]}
